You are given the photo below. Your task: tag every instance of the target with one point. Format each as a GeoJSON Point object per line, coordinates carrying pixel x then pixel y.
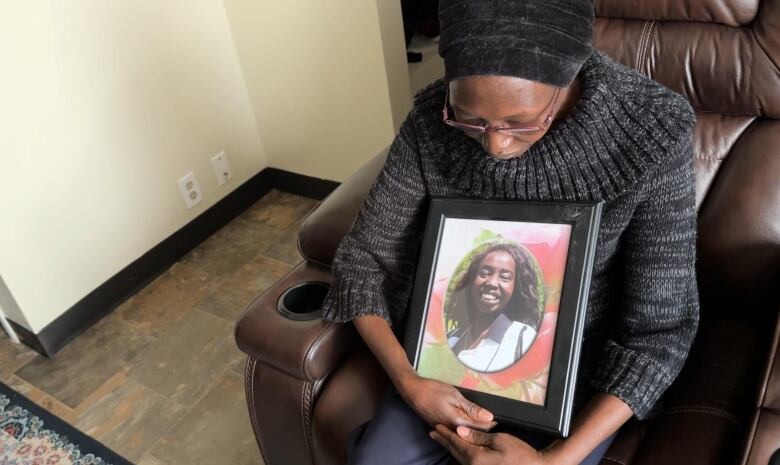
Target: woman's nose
{"type": "Point", "coordinates": [495, 142]}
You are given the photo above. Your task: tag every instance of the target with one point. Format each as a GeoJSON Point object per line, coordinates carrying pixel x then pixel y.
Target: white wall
{"type": "Point", "coordinates": [327, 79]}
{"type": "Point", "coordinates": [105, 104]}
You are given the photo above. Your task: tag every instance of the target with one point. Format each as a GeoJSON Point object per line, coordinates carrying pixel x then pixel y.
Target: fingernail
{"type": "Point", "coordinates": [485, 415]}
{"type": "Point", "coordinates": [463, 431]}
{"type": "Point", "coordinates": [432, 435]}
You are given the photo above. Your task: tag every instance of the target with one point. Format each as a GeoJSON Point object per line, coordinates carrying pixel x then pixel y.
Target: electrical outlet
{"type": "Point", "coordinates": [188, 186]}
{"type": "Point", "coordinates": [221, 167]}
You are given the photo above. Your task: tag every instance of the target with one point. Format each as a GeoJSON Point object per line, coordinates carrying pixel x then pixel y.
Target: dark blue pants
{"type": "Point", "coordinates": [397, 436]}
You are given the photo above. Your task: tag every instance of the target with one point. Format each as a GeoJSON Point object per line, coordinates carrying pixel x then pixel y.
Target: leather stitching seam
{"type": "Point", "coordinates": [646, 59]}
{"type": "Point", "coordinates": [249, 386]}
{"type": "Point", "coordinates": [313, 393]}
{"type": "Point", "coordinates": [703, 409]}
{"type": "Point", "coordinates": [306, 419]}
{"type": "Point", "coordinates": [639, 51]}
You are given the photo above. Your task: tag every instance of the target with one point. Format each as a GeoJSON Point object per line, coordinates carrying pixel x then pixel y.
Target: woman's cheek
{"type": "Point", "coordinates": [509, 289]}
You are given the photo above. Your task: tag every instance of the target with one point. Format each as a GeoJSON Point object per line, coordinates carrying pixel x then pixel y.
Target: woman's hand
{"type": "Point", "coordinates": [439, 403]}
{"type": "Point", "coordinates": [475, 447]}
{"type": "Point", "coordinates": [434, 401]}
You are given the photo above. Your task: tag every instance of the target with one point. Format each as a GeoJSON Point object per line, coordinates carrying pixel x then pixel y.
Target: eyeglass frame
{"type": "Point", "coordinates": [510, 131]}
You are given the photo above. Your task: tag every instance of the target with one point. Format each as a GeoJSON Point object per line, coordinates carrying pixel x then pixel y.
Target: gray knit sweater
{"type": "Point", "coordinates": [627, 142]}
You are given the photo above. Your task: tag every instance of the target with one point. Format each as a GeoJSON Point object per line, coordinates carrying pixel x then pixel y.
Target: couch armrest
{"type": "Point", "coordinates": [327, 224]}
{"type": "Point", "coordinates": [307, 350]}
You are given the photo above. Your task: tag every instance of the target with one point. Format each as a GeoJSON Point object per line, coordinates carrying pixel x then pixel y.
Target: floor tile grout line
{"type": "Point", "coordinates": [272, 259]}
{"type": "Point", "coordinates": [177, 332]}
{"type": "Point", "coordinates": [187, 411]}
{"type": "Point", "coordinates": [158, 459]}
{"type": "Point", "coordinates": [45, 394]}
{"type": "Point", "coordinates": [155, 391]}
{"type": "Point", "coordinates": [74, 420]}
{"type": "Point", "coordinates": [166, 397]}
{"type": "Point", "coordinates": [44, 391]}
{"type": "Point", "coordinates": [225, 320]}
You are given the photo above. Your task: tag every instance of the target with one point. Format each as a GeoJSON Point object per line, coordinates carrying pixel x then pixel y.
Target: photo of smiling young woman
{"type": "Point", "coordinates": [495, 308]}
{"type": "Point", "coordinates": [492, 307]}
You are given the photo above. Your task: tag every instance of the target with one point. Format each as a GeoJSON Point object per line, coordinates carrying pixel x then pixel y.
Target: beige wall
{"type": "Point", "coordinates": [327, 79]}
{"type": "Point", "coordinates": [105, 104]}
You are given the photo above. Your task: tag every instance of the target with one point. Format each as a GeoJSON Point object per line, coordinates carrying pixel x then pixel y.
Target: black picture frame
{"type": "Point", "coordinates": [554, 415]}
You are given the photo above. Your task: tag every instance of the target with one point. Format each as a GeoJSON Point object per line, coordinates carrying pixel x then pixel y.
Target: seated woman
{"type": "Point", "coordinates": [527, 110]}
{"type": "Point", "coordinates": [499, 291]}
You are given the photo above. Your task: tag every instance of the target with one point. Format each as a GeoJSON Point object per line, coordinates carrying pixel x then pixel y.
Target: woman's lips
{"type": "Point", "coordinates": [489, 298]}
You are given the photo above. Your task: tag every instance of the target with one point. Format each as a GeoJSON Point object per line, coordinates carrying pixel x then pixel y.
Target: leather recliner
{"type": "Point", "coordinates": [309, 383]}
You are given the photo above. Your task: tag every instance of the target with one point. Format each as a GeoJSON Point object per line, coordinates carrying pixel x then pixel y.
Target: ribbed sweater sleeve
{"type": "Point", "coordinates": [659, 311]}
{"type": "Point", "coordinates": [374, 265]}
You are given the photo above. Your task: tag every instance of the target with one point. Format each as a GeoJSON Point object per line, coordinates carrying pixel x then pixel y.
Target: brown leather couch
{"type": "Point", "coordinates": [308, 384]}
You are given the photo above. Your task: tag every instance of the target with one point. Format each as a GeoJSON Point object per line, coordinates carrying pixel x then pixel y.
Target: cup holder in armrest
{"type": "Point", "coordinates": [303, 301]}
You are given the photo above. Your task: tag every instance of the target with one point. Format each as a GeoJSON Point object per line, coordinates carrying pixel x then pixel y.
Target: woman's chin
{"type": "Point", "coordinates": [489, 309]}
{"type": "Point", "coordinates": [509, 155]}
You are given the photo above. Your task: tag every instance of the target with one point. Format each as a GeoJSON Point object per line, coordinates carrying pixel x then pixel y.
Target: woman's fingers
{"type": "Point", "coordinates": [463, 451]}
{"type": "Point", "coordinates": [476, 437]}
{"type": "Point", "coordinates": [463, 419]}
{"type": "Point", "coordinates": [446, 405]}
{"type": "Point", "coordinates": [475, 411]}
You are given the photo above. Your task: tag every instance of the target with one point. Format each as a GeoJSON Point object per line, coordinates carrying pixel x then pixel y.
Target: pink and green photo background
{"type": "Point", "coordinates": [526, 379]}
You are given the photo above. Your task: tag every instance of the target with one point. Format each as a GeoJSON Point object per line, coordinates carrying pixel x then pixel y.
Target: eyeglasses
{"type": "Point", "coordinates": [474, 130]}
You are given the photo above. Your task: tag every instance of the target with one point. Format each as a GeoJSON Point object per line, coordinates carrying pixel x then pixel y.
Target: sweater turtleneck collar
{"type": "Point", "coordinates": [622, 125]}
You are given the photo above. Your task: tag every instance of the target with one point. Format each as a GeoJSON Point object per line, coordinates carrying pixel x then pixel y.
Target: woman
{"type": "Point", "coordinates": [499, 297]}
{"type": "Point", "coordinates": [531, 111]}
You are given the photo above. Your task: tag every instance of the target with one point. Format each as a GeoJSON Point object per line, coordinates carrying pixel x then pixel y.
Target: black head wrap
{"type": "Point", "coordinates": [540, 40]}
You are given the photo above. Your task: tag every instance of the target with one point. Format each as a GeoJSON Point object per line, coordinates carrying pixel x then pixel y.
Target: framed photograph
{"type": "Point", "coordinates": [499, 303]}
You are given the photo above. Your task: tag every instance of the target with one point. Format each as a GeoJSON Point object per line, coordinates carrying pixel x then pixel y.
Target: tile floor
{"type": "Point", "coordinates": [160, 379]}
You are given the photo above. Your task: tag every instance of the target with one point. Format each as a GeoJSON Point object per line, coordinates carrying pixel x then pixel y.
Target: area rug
{"type": "Point", "coordinates": [30, 435]}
